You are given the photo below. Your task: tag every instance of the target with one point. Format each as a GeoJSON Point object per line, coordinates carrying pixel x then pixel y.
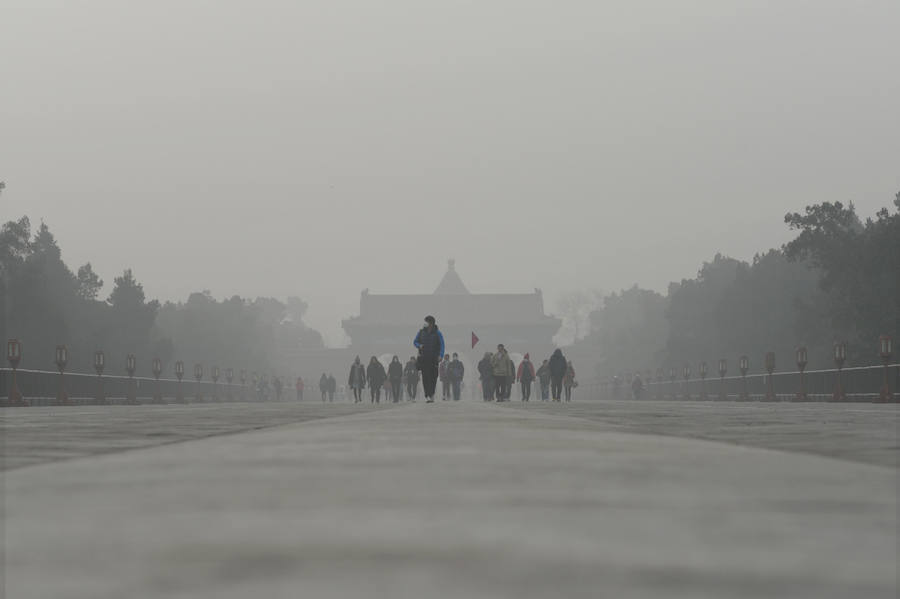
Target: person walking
{"type": "Point", "coordinates": [323, 386]}
{"type": "Point", "coordinates": [501, 371]}
{"type": "Point", "coordinates": [569, 381]}
{"type": "Point", "coordinates": [525, 376]}
{"type": "Point", "coordinates": [357, 379]}
{"type": "Point", "coordinates": [375, 376]}
{"type": "Point", "coordinates": [279, 387]}
{"type": "Point", "coordinates": [299, 387]}
{"type": "Point", "coordinates": [332, 387]}
{"type": "Point", "coordinates": [486, 374]}
{"type": "Point", "coordinates": [455, 372]}
{"type": "Point", "coordinates": [442, 376]}
{"type": "Point", "coordinates": [412, 379]}
{"type": "Point", "coordinates": [558, 369]}
{"type": "Point", "coordinates": [395, 375]}
{"type": "Point", "coordinates": [430, 343]}
{"type": "Point", "coordinates": [637, 387]}
{"type": "Point", "coordinates": [543, 376]}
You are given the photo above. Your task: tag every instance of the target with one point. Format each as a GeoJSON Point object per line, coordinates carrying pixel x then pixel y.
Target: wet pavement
{"type": "Point", "coordinates": [442, 500]}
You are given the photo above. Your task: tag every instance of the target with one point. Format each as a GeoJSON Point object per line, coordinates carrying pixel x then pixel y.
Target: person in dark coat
{"type": "Point", "coordinates": [375, 375]}
{"type": "Point", "coordinates": [430, 343]}
{"type": "Point", "coordinates": [323, 386]}
{"type": "Point", "coordinates": [569, 381]}
{"type": "Point", "coordinates": [637, 387]}
{"type": "Point", "coordinates": [412, 379]}
{"type": "Point", "coordinates": [525, 376]}
{"type": "Point", "coordinates": [395, 376]}
{"type": "Point", "coordinates": [332, 387]}
{"type": "Point", "coordinates": [486, 374]}
{"type": "Point", "coordinates": [543, 375]}
{"type": "Point", "coordinates": [357, 379]}
{"type": "Point", "coordinates": [558, 368]}
{"type": "Point", "coordinates": [455, 372]}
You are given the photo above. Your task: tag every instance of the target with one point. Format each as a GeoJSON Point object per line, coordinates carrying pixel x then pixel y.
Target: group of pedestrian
{"type": "Point", "coordinates": [395, 380]}
{"type": "Point", "coordinates": [497, 373]}
{"type": "Point", "coordinates": [451, 373]}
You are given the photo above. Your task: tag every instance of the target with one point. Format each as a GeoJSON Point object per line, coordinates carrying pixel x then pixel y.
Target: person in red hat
{"type": "Point", "coordinates": [525, 376]}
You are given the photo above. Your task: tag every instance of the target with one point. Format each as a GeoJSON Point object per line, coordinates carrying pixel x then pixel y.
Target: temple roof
{"type": "Point", "coordinates": [477, 308]}
{"type": "Point", "coordinates": [452, 304]}
{"type": "Point", "coordinates": [451, 284]}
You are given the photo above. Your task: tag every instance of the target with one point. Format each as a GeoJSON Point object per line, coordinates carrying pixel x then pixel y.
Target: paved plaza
{"type": "Point", "coordinates": [589, 499]}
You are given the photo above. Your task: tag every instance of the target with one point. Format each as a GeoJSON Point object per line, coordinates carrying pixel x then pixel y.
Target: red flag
{"type": "Point", "coordinates": [474, 339]}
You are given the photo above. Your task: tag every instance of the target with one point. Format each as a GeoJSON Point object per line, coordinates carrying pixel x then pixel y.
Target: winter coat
{"type": "Point", "coordinates": [357, 378]}
{"type": "Point", "coordinates": [375, 374]}
{"type": "Point", "coordinates": [323, 383]}
{"type": "Point", "coordinates": [412, 374]}
{"type": "Point", "coordinates": [395, 371]}
{"type": "Point", "coordinates": [543, 373]}
{"type": "Point", "coordinates": [502, 365]}
{"type": "Point", "coordinates": [430, 343]}
{"type": "Point", "coordinates": [525, 372]}
{"type": "Point", "coordinates": [485, 370]}
{"type": "Point", "coordinates": [558, 365]}
{"type": "Point", "coordinates": [456, 371]}
{"type": "Point", "coordinates": [332, 384]}
{"type": "Point", "coordinates": [442, 370]}
{"type": "Point", "coordinates": [569, 379]}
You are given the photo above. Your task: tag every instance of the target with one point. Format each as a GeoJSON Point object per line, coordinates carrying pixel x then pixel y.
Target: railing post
{"type": "Point", "coordinates": [801, 366]}
{"type": "Point", "coordinates": [131, 366]}
{"type": "Point", "coordinates": [770, 383]}
{"type": "Point", "coordinates": [723, 370]}
{"type": "Point", "coordinates": [703, 395]}
{"type": "Point", "coordinates": [744, 365]}
{"type": "Point", "coordinates": [179, 374]}
{"type": "Point", "coordinates": [62, 357]}
{"type": "Point", "coordinates": [157, 371]}
{"type": "Point", "coordinates": [885, 344]}
{"type": "Point", "coordinates": [198, 374]}
{"type": "Point", "coordinates": [840, 355]}
{"type": "Point", "coordinates": [214, 374]}
{"type": "Point", "coordinates": [14, 355]}
{"type": "Point", "coordinates": [99, 364]}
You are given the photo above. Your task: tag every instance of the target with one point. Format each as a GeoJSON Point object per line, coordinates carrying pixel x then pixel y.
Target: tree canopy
{"type": "Point", "coordinates": [44, 304]}
{"type": "Point", "coordinates": [838, 280]}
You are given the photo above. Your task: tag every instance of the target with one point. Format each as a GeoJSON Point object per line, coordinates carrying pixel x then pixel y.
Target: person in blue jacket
{"type": "Point", "coordinates": [430, 343]}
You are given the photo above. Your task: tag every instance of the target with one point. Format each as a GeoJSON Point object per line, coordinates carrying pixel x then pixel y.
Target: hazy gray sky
{"type": "Point", "coordinates": [318, 148]}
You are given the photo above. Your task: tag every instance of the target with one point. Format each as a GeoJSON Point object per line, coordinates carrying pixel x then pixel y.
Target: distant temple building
{"type": "Point", "coordinates": [387, 324]}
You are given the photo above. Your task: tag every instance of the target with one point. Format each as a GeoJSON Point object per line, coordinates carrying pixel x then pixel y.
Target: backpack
{"type": "Point", "coordinates": [527, 376]}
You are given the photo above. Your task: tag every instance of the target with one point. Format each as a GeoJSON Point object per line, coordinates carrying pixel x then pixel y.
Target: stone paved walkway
{"type": "Point", "coordinates": [450, 500]}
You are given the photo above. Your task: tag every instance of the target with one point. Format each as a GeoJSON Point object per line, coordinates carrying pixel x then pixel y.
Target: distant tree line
{"type": "Point", "coordinates": [837, 280]}
{"type": "Point", "coordinates": [43, 304]}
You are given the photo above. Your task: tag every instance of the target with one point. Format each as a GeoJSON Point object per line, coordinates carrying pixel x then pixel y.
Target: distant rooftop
{"type": "Point", "coordinates": [451, 303]}
{"type": "Point", "coordinates": [451, 284]}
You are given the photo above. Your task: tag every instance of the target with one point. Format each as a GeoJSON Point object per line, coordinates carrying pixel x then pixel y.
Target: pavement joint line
{"type": "Point", "coordinates": [631, 429]}
{"type": "Point", "coordinates": [121, 450]}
